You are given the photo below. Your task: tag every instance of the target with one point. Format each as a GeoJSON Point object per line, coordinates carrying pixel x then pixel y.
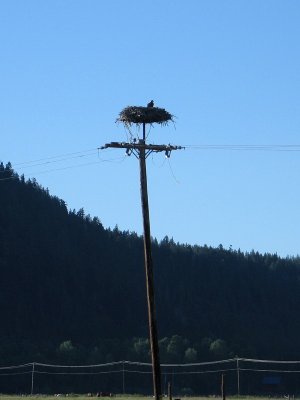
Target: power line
{"type": "Point", "coordinates": [116, 159]}
{"type": "Point", "coordinates": [244, 147]}
{"type": "Point", "coordinates": [79, 165]}
{"type": "Point", "coordinates": [57, 161]}
{"type": "Point", "coordinates": [65, 155]}
{"type": "Point", "coordinates": [94, 151]}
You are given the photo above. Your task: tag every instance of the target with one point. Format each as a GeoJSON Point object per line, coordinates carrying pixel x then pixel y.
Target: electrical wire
{"type": "Point", "coordinates": [65, 155]}
{"type": "Point", "coordinates": [93, 151]}
{"type": "Point", "coordinates": [112, 160]}
{"type": "Point", "coordinates": [118, 159]}
{"type": "Point", "coordinates": [244, 147]}
{"type": "Point", "coordinates": [172, 172]}
{"type": "Point", "coordinates": [59, 160]}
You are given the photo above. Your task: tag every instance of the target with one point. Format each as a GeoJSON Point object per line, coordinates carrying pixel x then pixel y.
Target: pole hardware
{"type": "Point", "coordinates": [135, 148]}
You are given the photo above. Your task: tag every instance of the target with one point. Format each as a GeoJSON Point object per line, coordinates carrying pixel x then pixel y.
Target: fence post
{"type": "Point", "coordinates": [223, 387]}
{"type": "Point", "coordinates": [238, 375]}
{"type": "Point", "coordinates": [123, 377]}
{"type": "Point", "coordinates": [32, 379]}
{"type": "Point", "coordinates": [170, 390]}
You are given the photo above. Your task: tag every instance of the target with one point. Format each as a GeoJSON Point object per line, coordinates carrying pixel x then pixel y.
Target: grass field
{"type": "Point", "coordinates": [135, 397]}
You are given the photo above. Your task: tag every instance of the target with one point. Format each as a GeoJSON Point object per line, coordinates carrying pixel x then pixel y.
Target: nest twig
{"type": "Point", "coordinates": [144, 115]}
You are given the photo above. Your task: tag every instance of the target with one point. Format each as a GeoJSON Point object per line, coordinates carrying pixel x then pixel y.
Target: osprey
{"type": "Point", "coordinates": [151, 104]}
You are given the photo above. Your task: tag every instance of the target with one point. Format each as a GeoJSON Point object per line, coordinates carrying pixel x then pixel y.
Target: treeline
{"type": "Point", "coordinates": [72, 291]}
{"type": "Point", "coordinates": [175, 349]}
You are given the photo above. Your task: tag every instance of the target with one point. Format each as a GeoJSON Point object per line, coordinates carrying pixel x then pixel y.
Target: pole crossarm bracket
{"type": "Point", "coordinates": [141, 145]}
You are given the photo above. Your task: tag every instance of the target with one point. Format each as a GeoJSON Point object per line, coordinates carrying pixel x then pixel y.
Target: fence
{"type": "Point", "coordinates": [243, 377]}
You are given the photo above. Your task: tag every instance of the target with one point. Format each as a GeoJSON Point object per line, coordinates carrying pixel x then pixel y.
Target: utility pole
{"type": "Point", "coordinates": [141, 150]}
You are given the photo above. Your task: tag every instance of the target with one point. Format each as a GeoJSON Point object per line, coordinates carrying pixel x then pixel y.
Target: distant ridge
{"type": "Point", "coordinates": [71, 288]}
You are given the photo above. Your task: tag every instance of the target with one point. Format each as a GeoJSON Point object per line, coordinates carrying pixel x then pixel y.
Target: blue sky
{"type": "Point", "coordinates": [228, 71]}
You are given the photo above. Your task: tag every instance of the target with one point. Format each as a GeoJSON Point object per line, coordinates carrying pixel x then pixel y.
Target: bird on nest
{"type": "Point", "coordinates": [150, 104]}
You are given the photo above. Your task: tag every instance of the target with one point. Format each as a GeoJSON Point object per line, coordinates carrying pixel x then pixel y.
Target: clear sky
{"type": "Point", "coordinates": [228, 70]}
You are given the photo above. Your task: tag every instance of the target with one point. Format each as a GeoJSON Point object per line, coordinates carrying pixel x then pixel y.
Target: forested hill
{"type": "Point", "coordinates": [71, 290]}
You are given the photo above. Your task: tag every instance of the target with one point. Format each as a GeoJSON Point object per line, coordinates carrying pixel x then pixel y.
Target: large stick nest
{"type": "Point", "coordinates": [144, 115]}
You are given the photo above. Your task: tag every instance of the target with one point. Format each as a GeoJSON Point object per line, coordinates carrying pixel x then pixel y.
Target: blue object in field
{"type": "Point", "coordinates": [271, 380]}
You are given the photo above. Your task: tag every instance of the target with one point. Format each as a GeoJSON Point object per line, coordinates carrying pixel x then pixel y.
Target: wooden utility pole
{"type": "Point", "coordinates": [142, 150]}
{"type": "Point", "coordinates": [149, 272]}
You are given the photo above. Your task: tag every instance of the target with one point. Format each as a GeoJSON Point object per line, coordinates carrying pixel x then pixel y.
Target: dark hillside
{"type": "Point", "coordinates": [61, 273]}
{"type": "Point", "coordinates": [66, 279]}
